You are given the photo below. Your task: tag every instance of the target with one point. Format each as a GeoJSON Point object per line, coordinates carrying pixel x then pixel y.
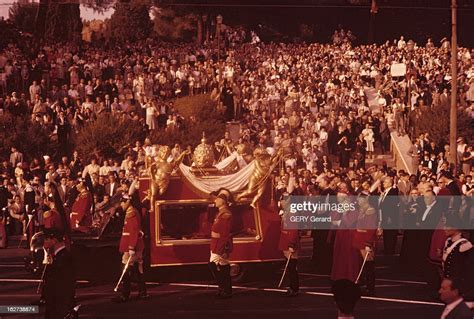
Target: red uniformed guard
{"type": "Point", "coordinates": [52, 220]}
{"type": "Point", "coordinates": [365, 237]}
{"type": "Point", "coordinates": [346, 260]}
{"type": "Point", "coordinates": [221, 243]}
{"type": "Point", "coordinates": [290, 244]}
{"type": "Point", "coordinates": [131, 246]}
{"type": "Point", "coordinates": [81, 217]}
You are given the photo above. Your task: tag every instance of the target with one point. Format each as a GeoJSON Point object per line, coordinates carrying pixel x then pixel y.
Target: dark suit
{"type": "Point", "coordinates": [5, 195]}
{"type": "Point", "coordinates": [388, 208]}
{"type": "Point", "coordinates": [423, 242]}
{"type": "Point", "coordinates": [461, 311]}
{"type": "Point", "coordinates": [432, 217]}
{"type": "Point", "coordinates": [322, 249]}
{"type": "Point", "coordinates": [71, 196]}
{"type": "Point", "coordinates": [63, 193]}
{"type": "Point", "coordinates": [59, 285]}
{"type": "Point", "coordinates": [456, 196]}
{"type": "Point", "coordinates": [99, 190]}
{"type": "Point", "coordinates": [458, 264]}
{"type": "Point", "coordinates": [410, 252]}
{"type": "Point", "coordinates": [111, 189]}
{"type": "Point", "coordinates": [29, 198]}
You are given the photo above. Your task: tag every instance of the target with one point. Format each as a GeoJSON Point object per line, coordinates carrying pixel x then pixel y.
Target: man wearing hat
{"type": "Point", "coordinates": [59, 278]}
{"type": "Point", "coordinates": [56, 217]}
{"type": "Point", "coordinates": [51, 217]}
{"type": "Point", "coordinates": [457, 252]}
{"type": "Point", "coordinates": [221, 243]}
{"type": "Point", "coordinates": [131, 246]}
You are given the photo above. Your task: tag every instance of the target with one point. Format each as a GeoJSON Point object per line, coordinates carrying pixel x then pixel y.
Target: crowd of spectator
{"type": "Point", "coordinates": [309, 99]}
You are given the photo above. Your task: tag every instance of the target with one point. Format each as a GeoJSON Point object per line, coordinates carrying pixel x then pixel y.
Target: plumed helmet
{"type": "Point", "coordinates": [225, 194]}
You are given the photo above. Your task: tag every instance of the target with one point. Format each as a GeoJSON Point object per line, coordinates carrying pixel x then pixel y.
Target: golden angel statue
{"type": "Point", "coordinates": [160, 171]}
{"type": "Point", "coordinates": [264, 164]}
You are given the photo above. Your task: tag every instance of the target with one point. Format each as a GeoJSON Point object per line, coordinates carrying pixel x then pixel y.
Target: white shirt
{"type": "Point", "coordinates": [323, 136]}
{"type": "Point", "coordinates": [112, 186]}
{"type": "Point", "coordinates": [428, 208]}
{"type": "Point", "coordinates": [450, 308]}
{"type": "Point", "coordinates": [58, 249]}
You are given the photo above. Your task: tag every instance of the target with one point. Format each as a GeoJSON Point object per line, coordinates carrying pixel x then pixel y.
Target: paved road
{"type": "Point", "coordinates": [189, 293]}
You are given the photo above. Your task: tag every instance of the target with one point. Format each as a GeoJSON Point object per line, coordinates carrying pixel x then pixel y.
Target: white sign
{"type": "Point", "coordinates": [398, 69]}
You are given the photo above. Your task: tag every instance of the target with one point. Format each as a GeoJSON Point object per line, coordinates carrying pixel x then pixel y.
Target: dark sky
{"type": "Point", "coordinates": [394, 18]}
{"type": "Point", "coordinates": [381, 3]}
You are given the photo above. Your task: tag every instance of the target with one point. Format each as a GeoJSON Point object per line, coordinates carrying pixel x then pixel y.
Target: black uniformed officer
{"type": "Point", "coordinates": [59, 278]}
{"type": "Point", "coordinates": [457, 254]}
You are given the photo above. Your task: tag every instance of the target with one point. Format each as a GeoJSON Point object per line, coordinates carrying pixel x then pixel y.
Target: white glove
{"type": "Point", "coordinates": [47, 259]}
{"type": "Point", "coordinates": [368, 249]}
{"type": "Point", "coordinates": [131, 253]}
{"type": "Point", "coordinates": [379, 231]}
{"type": "Point", "coordinates": [291, 249]}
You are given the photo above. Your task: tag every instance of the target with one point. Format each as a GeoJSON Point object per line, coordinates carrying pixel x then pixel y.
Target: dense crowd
{"type": "Point", "coordinates": [308, 99]}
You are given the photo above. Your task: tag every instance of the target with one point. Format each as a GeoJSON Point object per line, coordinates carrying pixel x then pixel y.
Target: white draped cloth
{"type": "Point", "coordinates": [229, 159]}
{"type": "Point", "coordinates": [234, 182]}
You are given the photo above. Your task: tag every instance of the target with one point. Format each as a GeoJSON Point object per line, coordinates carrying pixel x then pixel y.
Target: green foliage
{"type": "Point", "coordinates": [306, 32]}
{"type": "Point", "coordinates": [169, 25]}
{"type": "Point", "coordinates": [200, 106]}
{"type": "Point", "coordinates": [8, 34]}
{"type": "Point", "coordinates": [32, 139]}
{"type": "Point", "coordinates": [108, 136]}
{"type": "Point", "coordinates": [62, 22]}
{"type": "Point", "coordinates": [99, 6]}
{"type": "Point", "coordinates": [436, 123]}
{"type": "Point", "coordinates": [131, 21]}
{"type": "Point", "coordinates": [206, 119]}
{"type": "Point", "coordinates": [23, 16]}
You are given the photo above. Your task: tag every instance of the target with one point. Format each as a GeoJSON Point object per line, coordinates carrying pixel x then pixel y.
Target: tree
{"type": "Point", "coordinates": [435, 122]}
{"type": "Point", "coordinates": [108, 136]}
{"type": "Point", "coordinates": [200, 115]}
{"type": "Point", "coordinates": [8, 33]}
{"type": "Point", "coordinates": [58, 21]}
{"type": "Point", "coordinates": [171, 25]}
{"type": "Point", "coordinates": [32, 139]}
{"type": "Point", "coordinates": [61, 20]}
{"type": "Point", "coordinates": [131, 21]}
{"type": "Point", "coordinates": [23, 16]}
{"type": "Point", "coordinates": [99, 6]}
{"type": "Point", "coordinates": [64, 22]}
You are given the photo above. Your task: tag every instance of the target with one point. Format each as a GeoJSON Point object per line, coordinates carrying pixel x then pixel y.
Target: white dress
{"type": "Point", "coordinates": [150, 117]}
{"type": "Point", "coordinates": [368, 134]}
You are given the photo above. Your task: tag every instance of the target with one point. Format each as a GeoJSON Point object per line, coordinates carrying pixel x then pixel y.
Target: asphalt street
{"type": "Point", "coordinates": [188, 292]}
